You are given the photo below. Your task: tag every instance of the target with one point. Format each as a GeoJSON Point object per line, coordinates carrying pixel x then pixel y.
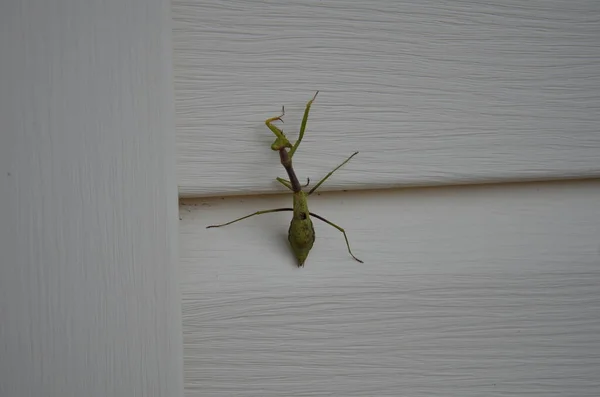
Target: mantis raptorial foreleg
{"type": "Point", "coordinates": [281, 142]}
{"type": "Point", "coordinates": [302, 126]}
{"type": "Point", "coordinates": [301, 234]}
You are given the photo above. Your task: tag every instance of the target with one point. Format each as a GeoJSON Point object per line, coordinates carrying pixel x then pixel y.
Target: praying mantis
{"type": "Point", "coordinates": [301, 233]}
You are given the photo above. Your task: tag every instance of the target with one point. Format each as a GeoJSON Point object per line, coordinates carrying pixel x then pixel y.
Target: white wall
{"type": "Point", "coordinates": [89, 304]}
{"type": "Point", "coordinates": [465, 291]}
{"type": "Point", "coordinates": [429, 92]}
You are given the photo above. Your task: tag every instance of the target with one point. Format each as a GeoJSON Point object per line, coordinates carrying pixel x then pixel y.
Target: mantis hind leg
{"type": "Point", "coordinates": [248, 216]}
{"type": "Point", "coordinates": [340, 229]}
{"type": "Point", "coordinates": [331, 173]}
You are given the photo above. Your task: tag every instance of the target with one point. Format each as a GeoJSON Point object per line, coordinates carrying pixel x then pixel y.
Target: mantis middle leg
{"type": "Point", "coordinates": [287, 183]}
{"type": "Point", "coordinates": [331, 173]}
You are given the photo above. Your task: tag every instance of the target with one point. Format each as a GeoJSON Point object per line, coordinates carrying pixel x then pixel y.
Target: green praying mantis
{"type": "Point", "coordinates": [301, 233]}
